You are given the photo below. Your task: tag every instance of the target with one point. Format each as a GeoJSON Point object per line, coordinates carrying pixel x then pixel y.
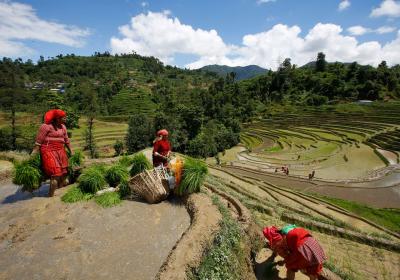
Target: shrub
{"type": "Point", "coordinates": [92, 179]}
{"type": "Point", "coordinates": [118, 147]}
{"type": "Point", "coordinates": [115, 174]}
{"type": "Point", "coordinates": [139, 164]}
{"type": "Point", "coordinates": [194, 174]}
{"type": "Point", "coordinates": [108, 199]}
{"type": "Point", "coordinates": [5, 139]}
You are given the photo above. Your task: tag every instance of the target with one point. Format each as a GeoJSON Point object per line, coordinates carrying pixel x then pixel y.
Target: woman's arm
{"type": "Point", "coordinates": [66, 139]}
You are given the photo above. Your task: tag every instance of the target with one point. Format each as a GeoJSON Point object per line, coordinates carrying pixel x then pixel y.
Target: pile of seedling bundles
{"type": "Point", "coordinates": [181, 178]}
{"type": "Point", "coordinates": [28, 173]}
{"type": "Point", "coordinates": [108, 185]}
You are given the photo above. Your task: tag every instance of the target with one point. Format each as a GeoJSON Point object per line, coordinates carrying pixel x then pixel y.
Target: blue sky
{"type": "Point", "coordinates": [190, 33]}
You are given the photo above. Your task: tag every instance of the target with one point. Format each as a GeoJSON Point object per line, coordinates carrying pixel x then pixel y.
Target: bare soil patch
{"type": "Point", "coordinates": [53, 240]}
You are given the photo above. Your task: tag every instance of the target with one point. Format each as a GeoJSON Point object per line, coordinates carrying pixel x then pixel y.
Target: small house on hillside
{"type": "Point", "coordinates": [364, 102]}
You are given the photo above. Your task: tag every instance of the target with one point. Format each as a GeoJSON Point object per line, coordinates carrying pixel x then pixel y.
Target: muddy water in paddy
{"type": "Point", "coordinates": [44, 238]}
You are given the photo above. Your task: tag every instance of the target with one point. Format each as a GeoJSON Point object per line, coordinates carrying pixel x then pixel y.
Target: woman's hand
{"type": "Point", "coordinates": [35, 150]}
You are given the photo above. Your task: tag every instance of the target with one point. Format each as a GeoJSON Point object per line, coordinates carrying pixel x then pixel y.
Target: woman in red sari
{"type": "Point", "coordinates": [161, 149]}
{"type": "Point", "coordinates": [298, 248]}
{"type": "Point", "coordinates": [51, 140]}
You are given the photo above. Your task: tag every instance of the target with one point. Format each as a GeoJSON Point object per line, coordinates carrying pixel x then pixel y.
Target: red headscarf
{"type": "Point", "coordinates": [272, 234]}
{"type": "Point", "coordinates": [162, 132]}
{"type": "Point", "coordinates": [53, 114]}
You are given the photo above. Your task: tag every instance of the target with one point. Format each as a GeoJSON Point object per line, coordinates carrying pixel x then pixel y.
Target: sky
{"type": "Point", "coordinates": [192, 34]}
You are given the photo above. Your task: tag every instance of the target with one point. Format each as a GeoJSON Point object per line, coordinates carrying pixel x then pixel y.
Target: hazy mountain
{"type": "Point", "coordinates": [242, 73]}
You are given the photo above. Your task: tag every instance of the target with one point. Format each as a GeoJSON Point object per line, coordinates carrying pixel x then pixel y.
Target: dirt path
{"type": "Point", "coordinates": [53, 240]}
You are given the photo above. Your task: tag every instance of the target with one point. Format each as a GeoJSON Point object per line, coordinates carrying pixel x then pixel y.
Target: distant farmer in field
{"type": "Point", "coordinates": [298, 248]}
{"type": "Point", "coordinates": [51, 140]}
{"type": "Point", "coordinates": [161, 149]}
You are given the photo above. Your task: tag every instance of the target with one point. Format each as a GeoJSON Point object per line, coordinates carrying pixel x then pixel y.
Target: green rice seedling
{"type": "Point", "coordinates": [35, 161]}
{"type": "Point", "coordinates": [75, 194]}
{"type": "Point", "coordinates": [139, 164]}
{"type": "Point", "coordinates": [115, 174]}
{"type": "Point", "coordinates": [125, 161]}
{"type": "Point", "coordinates": [92, 179]}
{"type": "Point", "coordinates": [27, 176]}
{"type": "Point", "coordinates": [194, 174]}
{"type": "Point", "coordinates": [124, 189]}
{"type": "Point", "coordinates": [108, 199]}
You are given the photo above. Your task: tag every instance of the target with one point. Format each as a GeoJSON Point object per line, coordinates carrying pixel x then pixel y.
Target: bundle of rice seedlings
{"type": "Point", "coordinates": [75, 194]}
{"type": "Point", "coordinates": [124, 189]}
{"type": "Point", "coordinates": [92, 179]}
{"type": "Point", "coordinates": [125, 160]}
{"type": "Point", "coordinates": [139, 164]}
{"type": "Point", "coordinates": [194, 174]}
{"type": "Point", "coordinates": [27, 176]}
{"type": "Point", "coordinates": [108, 199]}
{"type": "Point", "coordinates": [115, 174]}
{"type": "Point", "coordinates": [74, 164]}
{"type": "Point", "coordinates": [35, 161]}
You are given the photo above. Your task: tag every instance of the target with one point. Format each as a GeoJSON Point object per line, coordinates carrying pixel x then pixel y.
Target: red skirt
{"type": "Point", "coordinates": [54, 159]}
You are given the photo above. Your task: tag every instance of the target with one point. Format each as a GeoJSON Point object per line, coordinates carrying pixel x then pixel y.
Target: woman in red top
{"type": "Point", "coordinates": [298, 248]}
{"type": "Point", "coordinates": [161, 149]}
{"type": "Point", "coordinates": [50, 140]}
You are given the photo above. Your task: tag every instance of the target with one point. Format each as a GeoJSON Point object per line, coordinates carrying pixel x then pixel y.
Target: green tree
{"type": "Point", "coordinates": [91, 108]}
{"type": "Point", "coordinates": [140, 133]}
{"type": "Point", "coordinates": [320, 65]}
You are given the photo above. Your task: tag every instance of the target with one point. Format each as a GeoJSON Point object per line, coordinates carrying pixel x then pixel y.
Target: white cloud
{"type": "Point", "coordinates": [20, 22]}
{"type": "Point", "coordinates": [344, 5]}
{"type": "Point", "coordinates": [388, 8]}
{"type": "Point", "coordinates": [162, 36]}
{"type": "Point", "coordinates": [259, 2]}
{"type": "Point", "coordinates": [158, 34]}
{"type": "Point", "coordinates": [385, 29]}
{"type": "Point", "coordinates": [359, 30]}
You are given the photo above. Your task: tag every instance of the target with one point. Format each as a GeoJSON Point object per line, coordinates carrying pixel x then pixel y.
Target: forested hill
{"type": "Point", "coordinates": [203, 110]}
{"type": "Point", "coordinates": [241, 72]}
{"type": "Point", "coordinates": [320, 83]}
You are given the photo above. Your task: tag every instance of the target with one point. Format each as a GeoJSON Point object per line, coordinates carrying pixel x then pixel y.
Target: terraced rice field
{"type": "Point", "coordinates": [105, 133]}
{"type": "Point", "coordinates": [337, 146]}
{"type": "Point", "coordinates": [132, 101]}
{"type": "Point", "coordinates": [356, 247]}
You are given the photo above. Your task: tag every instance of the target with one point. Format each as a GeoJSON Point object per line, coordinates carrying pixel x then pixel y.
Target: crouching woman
{"type": "Point", "coordinates": [298, 248]}
{"type": "Point", "coordinates": [51, 140]}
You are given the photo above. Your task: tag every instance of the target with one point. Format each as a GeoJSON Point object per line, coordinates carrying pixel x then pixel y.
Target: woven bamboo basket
{"type": "Point", "coordinates": [149, 185]}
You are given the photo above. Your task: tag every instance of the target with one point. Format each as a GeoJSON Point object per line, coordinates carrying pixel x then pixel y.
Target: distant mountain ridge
{"type": "Point", "coordinates": [242, 72]}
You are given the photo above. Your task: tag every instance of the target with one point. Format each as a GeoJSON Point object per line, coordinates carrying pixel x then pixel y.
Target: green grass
{"type": "Point", "coordinates": [225, 259]}
{"type": "Point", "coordinates": [74, 194]}
{"type": "Point", "coordinates": [389, 218]}
{"type": "Point", "coordinates": [273, 149]}
{"type": "Point", "coordinates": [344, 275]}
{"type": "Point", "coordinates": [108, 199]}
